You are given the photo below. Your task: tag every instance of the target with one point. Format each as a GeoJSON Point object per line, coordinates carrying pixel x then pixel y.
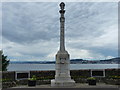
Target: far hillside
{"type": "Point", "coordinates": [73, 61]}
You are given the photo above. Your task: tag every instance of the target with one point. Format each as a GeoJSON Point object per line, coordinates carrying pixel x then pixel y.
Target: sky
{"type": "Point", "coordinates": [31, 30]}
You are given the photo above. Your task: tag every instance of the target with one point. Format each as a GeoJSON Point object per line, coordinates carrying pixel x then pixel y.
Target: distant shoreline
{"type": "Point", "coordinates": [73, 61]}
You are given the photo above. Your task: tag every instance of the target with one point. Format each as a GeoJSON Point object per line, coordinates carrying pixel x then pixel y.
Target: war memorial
{"type": "Point", "coordinates": [62, 76]}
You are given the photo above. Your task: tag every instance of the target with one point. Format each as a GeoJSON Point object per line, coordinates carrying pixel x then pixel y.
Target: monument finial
{"type": "Point", "coordinates": [62, 5]}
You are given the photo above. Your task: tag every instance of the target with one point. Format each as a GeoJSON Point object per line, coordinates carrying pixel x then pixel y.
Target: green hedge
{"type": "Point", "coordinates": [112, 72]}
{"type": "Point", "coordinates": [80, 73]}
{"type": "Point", "coordinates": [43, 75]}
{"type": "Point", "coordinates": [8, 76]}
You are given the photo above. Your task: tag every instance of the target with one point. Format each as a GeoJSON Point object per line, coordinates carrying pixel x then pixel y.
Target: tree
{"type": "Point", "coordinates": [4, 61]}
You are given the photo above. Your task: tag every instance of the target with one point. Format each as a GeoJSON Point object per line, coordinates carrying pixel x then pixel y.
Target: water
{"type": "Point", "coordinates": [30, 67]}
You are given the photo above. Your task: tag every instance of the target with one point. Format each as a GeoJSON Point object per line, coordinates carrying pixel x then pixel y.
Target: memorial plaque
{"type": "Point", "coordinates": [22, 75]}
{"type": "Point", "coordinates": [97, 73]}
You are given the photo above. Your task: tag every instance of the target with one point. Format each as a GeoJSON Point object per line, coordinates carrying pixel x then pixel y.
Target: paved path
{"type": "Point", "coordinates": [78, 85]}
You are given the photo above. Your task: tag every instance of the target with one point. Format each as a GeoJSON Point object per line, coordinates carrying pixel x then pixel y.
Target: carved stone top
{"type": "Point", "coordinates": [62, 5]}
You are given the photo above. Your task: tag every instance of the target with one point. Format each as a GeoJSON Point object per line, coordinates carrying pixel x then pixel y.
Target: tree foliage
{"type": "Point", "coordinates": [4, 61]}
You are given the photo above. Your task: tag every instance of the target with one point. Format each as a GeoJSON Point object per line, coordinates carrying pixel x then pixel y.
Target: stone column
{"type": "Point", "coordinates": [62, 66]}
{"type": "Point", "coordinates": [62, 21]}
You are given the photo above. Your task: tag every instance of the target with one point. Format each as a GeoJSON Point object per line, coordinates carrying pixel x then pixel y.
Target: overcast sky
{"type": "Point", "coordinates": [30, 31]}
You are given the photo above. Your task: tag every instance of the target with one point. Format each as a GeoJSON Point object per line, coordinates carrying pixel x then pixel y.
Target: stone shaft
{"type": "Point", "coordinates": [62, 22]}
{"type": "Point", "coordinates": [62, 66]}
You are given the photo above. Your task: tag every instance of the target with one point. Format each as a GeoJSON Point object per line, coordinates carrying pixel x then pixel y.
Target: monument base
{"type": "Point", "coordinates": [69, 83]}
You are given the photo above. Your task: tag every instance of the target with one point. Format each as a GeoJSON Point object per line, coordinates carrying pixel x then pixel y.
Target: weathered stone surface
{"type": "Point", "coordinates": [69, 83]}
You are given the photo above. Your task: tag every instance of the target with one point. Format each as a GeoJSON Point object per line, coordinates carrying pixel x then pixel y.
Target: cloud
{"type": "Point", "coordinates": [31, 30]}
{"type": "Point", "coordinates": [0, 25]}
{"type": "Point", "coordinates": [24, 25]}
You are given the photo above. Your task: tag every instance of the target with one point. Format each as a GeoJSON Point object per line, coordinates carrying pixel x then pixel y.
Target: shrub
{"type": "Point", "coordinates": [33, 78]}
{"type": "Point", "coordinates": [91, 78]}
{"type": "Point", "coordinates": [5, 61]}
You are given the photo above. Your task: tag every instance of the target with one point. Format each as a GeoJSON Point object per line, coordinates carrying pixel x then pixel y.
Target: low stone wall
{"type": "Point", "coordinates": [10, 75]}
{"type": "Point", "coordinates": [44, 77]}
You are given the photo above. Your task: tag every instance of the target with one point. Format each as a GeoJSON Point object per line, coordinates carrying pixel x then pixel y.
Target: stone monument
{"type": "Point", "coordinates": [62, 77]}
